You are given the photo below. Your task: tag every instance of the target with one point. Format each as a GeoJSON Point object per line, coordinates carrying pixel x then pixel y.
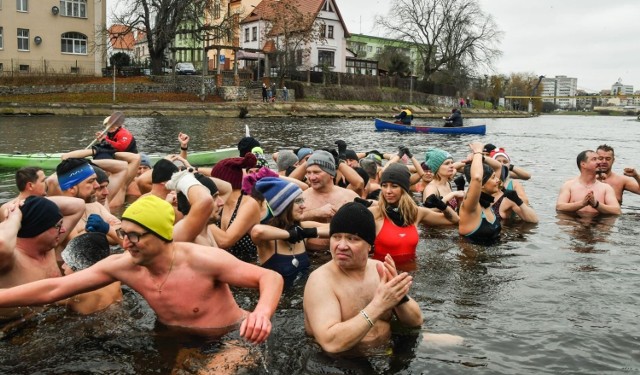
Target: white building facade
{"type": "Point", "coordinates": [558, 87]}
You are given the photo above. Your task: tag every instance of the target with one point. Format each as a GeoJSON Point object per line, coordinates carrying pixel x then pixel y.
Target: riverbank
{"type": "Point", "coordinates": [236, 109]}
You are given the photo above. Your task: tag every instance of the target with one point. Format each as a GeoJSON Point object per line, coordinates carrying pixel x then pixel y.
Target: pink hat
{"type": "Point", "coordinates": [231, 169]}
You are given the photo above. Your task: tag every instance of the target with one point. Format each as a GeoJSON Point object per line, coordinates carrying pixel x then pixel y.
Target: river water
{"type": "Point", "coordinates": [561, 296]}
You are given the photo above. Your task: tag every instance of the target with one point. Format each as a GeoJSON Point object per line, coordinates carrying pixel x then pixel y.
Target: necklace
{"type": "Point", "coordinates": [173, 258]}
{"type": "Point", "coordinates": [294, 261]}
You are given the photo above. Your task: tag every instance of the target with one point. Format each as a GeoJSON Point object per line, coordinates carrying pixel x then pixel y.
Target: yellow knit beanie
{"type": "Point", "coordinates": [154, 214]}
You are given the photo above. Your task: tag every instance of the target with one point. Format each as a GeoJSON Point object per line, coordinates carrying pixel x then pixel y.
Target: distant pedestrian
{"type": "Point", "coordinates": [285, 93]}
{"type": "Point", "coordinates": [468, 102]}
{"type": "Point", "coordinates": [273, 91]}
{"type": "Point", "coordinates": [461, 102]}
{"type": "Point", "coordinates": [265, 97]}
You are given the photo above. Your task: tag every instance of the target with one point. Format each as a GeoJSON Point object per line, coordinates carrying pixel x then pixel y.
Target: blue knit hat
{"type": "Point", "coordinates": [278, 193]}
{"type": "Point", "coordinates": [435, 157]}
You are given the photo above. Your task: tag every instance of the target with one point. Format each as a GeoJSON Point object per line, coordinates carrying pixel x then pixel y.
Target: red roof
{"type": "Point", "coordinates": [267, 9]}
{"type": "Point", "coordinates": [121, 37]}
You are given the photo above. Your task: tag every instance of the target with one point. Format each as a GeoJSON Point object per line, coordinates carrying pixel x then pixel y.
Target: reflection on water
{"type": "Point", "coordinates": [559, 296]}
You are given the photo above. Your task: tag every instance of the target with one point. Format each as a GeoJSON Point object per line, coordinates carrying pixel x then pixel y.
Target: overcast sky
{"type": "Point", "coordinates": [594, 41]}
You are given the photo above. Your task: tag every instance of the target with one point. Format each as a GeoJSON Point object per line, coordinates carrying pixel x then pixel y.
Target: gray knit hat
{"type": "Point", "coordinates": [324, 160]}
{"type": "Point", "coordinates": [286, 159]}
{"type": "Point", "coordinates": [398, 174]}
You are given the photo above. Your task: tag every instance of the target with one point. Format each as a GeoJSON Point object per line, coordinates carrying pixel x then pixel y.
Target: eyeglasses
{"type": "Point", "coordinates": [132, 236]}
{"type": "Point", "coordinates": [298, 200]}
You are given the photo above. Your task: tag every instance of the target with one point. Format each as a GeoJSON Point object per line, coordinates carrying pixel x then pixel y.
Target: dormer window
{"type": "Point", "coordinates": [327, 6]}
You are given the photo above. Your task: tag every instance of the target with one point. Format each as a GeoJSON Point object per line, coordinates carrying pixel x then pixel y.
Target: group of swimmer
{"type": "Point", "coordinates": [192, 233]}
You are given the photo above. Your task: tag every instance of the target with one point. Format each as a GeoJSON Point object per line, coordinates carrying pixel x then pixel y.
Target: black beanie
{"type": "Point", "coordinates": [487, 171]}
{"type": "Point", "coordinates": [398, 174]}
{"type": "Point", "coordinates": [162, 171]}
{"type": "Point", "coordinates": [101, 175]}
{"type": "Point", "coordinates": [246, 144]}
{"type": "Point", "coordinates": [354, 218]}
{"type": "Point", "coordinates": [38, 215]}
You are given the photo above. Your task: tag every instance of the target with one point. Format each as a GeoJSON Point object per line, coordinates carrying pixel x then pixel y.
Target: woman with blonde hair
{"type": "Point", "coordinates": [397, 216]}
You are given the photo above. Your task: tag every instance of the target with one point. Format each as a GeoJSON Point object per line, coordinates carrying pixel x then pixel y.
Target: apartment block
{"type": "Point", "coordinates": [558, 87]}
{"type": "Point", "coordinates": [52, 37]}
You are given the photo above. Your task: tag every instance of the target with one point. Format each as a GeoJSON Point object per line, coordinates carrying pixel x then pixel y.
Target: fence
{"type": "Point", "coordinates": [359, 80]}
{"type": "Point", "coordinates": [11, 67]}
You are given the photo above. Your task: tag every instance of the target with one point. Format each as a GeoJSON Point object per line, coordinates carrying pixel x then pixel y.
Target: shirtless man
{"type": "Point", "coordinates": [349, 301]}
{"type": "Point", "coordinates": [30, 181]}
{"type": "Point", "coordinates": [584, 194]}
{"type": "Point", "coordinates": [323, 198]}
{"type": "Point", "coordinates": [187, 285]}
{"type": "Point", "coordinates": [27, 238]}
{"type": "Point", "coordinates": [75, 177]}
{"type": "Point", "coordinates": [629, 182]}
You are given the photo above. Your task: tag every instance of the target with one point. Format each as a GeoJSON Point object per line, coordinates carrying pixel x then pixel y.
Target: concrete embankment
{"type": "Point", "coordinates": [236, 109]}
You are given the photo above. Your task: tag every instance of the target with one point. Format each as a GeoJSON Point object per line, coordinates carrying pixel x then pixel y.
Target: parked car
{"type": "Point", "coordinates": [185, 69]}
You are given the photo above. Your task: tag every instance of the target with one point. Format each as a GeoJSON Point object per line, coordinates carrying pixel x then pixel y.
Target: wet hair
{"type": "Point", "coordinates": [406, 207]}
{"type": "Point", "coordinates": [582, 157]}
{"type": "Point", "coordinates": [606, 148]}
{"type": "Point", "coordinates": [25, 175]}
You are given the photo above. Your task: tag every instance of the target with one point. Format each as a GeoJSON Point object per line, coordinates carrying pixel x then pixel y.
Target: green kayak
{"type": "Point", "coordinates": [50, 161]}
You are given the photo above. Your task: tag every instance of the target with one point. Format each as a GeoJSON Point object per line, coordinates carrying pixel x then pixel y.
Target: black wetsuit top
{"type": "Point", "coordinates": [486, 233]}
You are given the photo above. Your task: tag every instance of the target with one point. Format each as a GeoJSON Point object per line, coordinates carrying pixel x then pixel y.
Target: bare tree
{"type": "Point", "coordinates": [162, 20]}
{"type": "Point", "coordinates": [448, 34]}
{"type": "Point", "coordinates": [291, 32]}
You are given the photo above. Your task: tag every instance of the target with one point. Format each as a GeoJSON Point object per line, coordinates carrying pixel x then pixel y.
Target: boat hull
{"type": "Point", "coordinates": [382, 125]}
{"type": "Point", "coordinates": [50, 161]}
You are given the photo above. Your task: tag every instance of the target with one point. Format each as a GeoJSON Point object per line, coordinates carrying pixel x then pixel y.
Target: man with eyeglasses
{"type": "Point", "coordinates": [27, 237]}
{"type": "Point", "coordinates": [187, 285]}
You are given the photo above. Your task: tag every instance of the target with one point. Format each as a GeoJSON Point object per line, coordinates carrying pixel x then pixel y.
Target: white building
{"type": "Point", "coordinates": [558, 87]}
{"type": "Point", "coordinates": [257, 31]}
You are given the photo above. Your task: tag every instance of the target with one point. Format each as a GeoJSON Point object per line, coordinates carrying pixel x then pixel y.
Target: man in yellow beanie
{"type": "Point", "coordinates": [187, 285]}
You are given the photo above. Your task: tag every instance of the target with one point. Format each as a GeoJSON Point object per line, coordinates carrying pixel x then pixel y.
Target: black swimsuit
{"type": "Point", "coordinates": [244, 249]}
{"type": "Point", "coordinates": [486, 233]}
{"type": "Point", "coordinates": [283, 264]}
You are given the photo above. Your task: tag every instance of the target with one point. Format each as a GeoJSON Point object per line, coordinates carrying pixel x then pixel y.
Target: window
{"type": "Point", "coordinates": [24, 68]}
{"type": "Point", "coordinates": [378, 49]}
{"type": "Point", "coordinates": [369, 48]}
{"type": "Point", "coordinates": [330, 32]}
{"type": "Point", "coordinates": [74, 8]}
{"type": "Point", "coordinates": [323, 30]}
{"type": "Point", "coordinates": [23, 39]}
{"type": "Point", "coordinates": [75, 43]}
{"type": "Point", "coordinates": [246, 34]}
{"type": "Point", "coordinates": [22, 5]}
{"type": "Point", "coordinates": [216, 9]}
{"type": "Point", "coordinates": [299, 55]}
{"type": "Point", "coordinates": [254, 33]}
{"type": "Point", "coordinates": [325, 58]}
{"type": "Point", "coordinates": [327, 6]}
{"type": "Point", "coordinates": [1, 37]}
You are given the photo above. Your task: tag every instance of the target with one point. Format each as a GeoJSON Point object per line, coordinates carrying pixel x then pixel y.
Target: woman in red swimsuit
{"type": "Point", "coordinates": [397, 216]}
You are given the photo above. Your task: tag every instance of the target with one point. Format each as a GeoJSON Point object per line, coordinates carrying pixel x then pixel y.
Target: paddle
{"type": "Point", "coordinates": [116, 118]}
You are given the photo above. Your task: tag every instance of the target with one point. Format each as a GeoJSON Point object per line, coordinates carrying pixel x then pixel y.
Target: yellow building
{"type": "Point", "coordinates": [52, 36]}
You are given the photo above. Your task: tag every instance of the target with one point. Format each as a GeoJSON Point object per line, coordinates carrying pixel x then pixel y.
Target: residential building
{"type": "Point", "coordinates": [558, 87]}
{"type": "Point", "coordinates": [121, 40]}
{"type": "Point", "coordinates": [44, 36]}
{"type": "Point", "coordinates": [367, 50]}
{"type": "Point", "coordinates": [324, 46]}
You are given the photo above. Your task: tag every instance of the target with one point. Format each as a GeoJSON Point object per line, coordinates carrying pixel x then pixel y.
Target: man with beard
{"type": "Point", "coordinates": [629, 182]}
{"type": "Point", "coordinates": [32, 229]}
{"type": "Point", "coordinates": [584, 194]}
{"type": "Point", "coordinates": [75, 177]}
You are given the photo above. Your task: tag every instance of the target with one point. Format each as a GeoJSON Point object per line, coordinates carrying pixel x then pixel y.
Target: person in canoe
{"type": "Point", "coordinates": [117, 136]}
{"type": "Point", "coordinates": [405, 116]}
{"type": "Point", "coordinates": [454, 120]}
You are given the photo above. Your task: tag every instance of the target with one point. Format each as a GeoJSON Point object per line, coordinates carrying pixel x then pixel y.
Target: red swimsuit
{"type": "Point", "coordinates": [400, 242]}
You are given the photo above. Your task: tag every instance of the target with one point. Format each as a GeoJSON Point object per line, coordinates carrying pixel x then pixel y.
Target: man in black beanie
{"type": "Point", "coordinates": [350, 300]}
{"type": "Point", "coordinates": [28, 237]}
{"type": "Point", "coordinates": [246, 144]}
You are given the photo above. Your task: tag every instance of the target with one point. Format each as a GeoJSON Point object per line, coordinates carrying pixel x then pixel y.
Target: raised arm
{"type": "Point", "coordinates": [8, 233]}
